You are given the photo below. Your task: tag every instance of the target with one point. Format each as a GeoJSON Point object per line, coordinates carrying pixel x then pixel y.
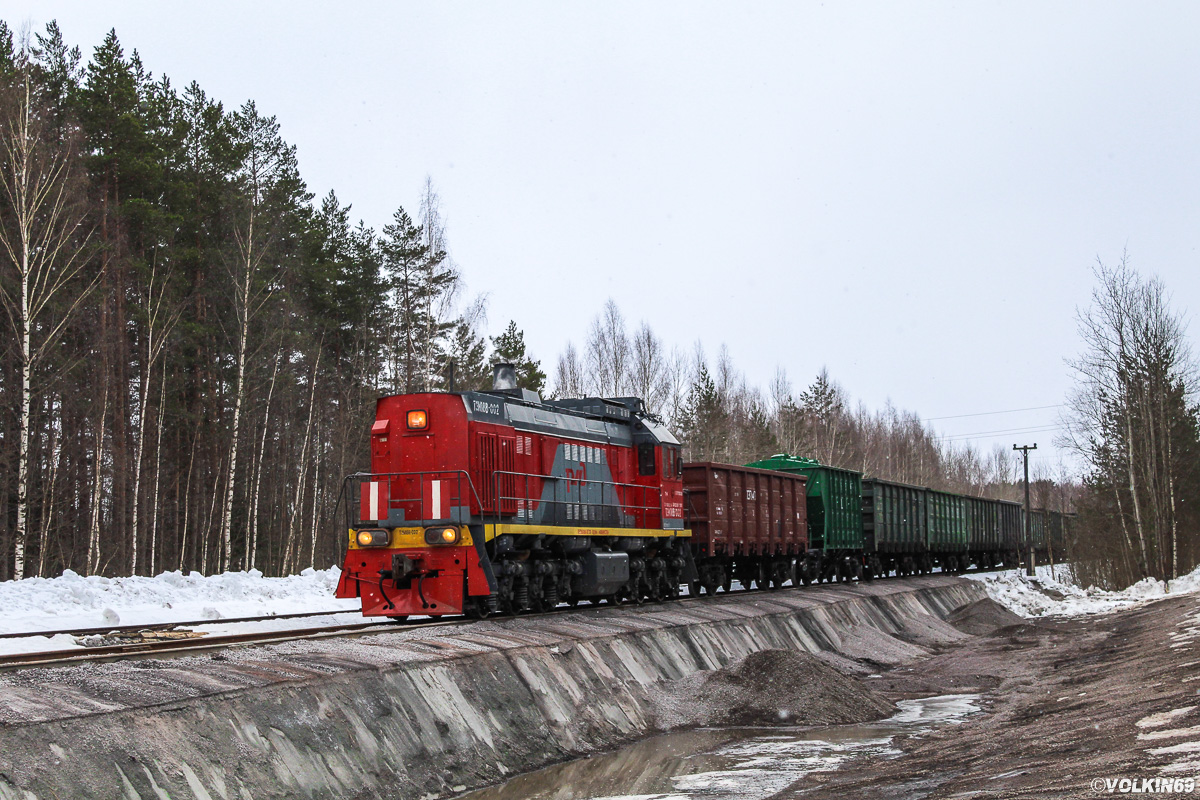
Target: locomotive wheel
{"type": "Point", "coordinates": [478, 608]}
{"type": "Point", "coordinates": [399, 618]}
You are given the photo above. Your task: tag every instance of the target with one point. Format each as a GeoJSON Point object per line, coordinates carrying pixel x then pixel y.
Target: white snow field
{"type": "Point", "coordinates": [73, 601]}
{"type": "Point", "coordinates": [1051, 593]}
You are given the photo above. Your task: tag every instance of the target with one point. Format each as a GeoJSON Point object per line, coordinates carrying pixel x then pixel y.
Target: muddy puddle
{"type": "Point", "coordinates": [729, 763]}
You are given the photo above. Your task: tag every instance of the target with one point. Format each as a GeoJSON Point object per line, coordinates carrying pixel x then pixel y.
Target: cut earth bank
{"type": "Point", "coordinates": [430, 711]}
{"type": "Point", "coordinates": [1090, 706]}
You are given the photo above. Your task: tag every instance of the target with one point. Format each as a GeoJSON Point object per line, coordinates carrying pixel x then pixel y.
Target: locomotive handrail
{"type": "Point", "coordinates": [610, 493]}
{"type": "Point", "coordinates": [615, 501]}
{"type": "Point", "coordinates": [459, 476]}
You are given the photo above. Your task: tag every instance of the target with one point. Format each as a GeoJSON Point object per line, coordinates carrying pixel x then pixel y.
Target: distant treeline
{"type": "Point", "coordinates": [719, 416]}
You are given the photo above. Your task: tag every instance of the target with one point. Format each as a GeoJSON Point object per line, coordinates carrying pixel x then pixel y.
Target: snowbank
{"type": "Point", "coordinates": [1052, 593]}
{"type": "Point", "coordinates": [73, 601]}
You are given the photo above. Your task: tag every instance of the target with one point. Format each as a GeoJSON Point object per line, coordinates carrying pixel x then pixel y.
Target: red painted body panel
{"type": "Point", "coordinates": [745, 511]}
{"type": "Point", "coordinates": [434, 595]}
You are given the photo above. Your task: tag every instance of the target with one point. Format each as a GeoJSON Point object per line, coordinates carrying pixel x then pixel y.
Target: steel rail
{"type": "Point", "coordinates": [166, 626]}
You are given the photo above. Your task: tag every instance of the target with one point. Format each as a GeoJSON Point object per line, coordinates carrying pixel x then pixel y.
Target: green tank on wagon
{"type": "Point", "coordinates": [835, 523]}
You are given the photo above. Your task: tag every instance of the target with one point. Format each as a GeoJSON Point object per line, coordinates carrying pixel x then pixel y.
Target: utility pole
{"type": "Point", "coordinates": [1028, 511]}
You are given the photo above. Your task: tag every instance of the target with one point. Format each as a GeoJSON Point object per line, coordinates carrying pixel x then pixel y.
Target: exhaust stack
{"type": "Point", "coordinates": [504, 377]}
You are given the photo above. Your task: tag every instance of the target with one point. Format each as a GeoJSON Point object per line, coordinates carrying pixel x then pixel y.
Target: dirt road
{"type": "Point", "coordinates": [1069, 703]}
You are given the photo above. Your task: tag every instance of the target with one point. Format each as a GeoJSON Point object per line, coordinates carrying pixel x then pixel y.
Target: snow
{"type": "Point", "coordinates": [1163, 717]}
{"type": "Point", "coordinates": [73, 601]}
{"type": "Point", "coordinates": [1051, 592]}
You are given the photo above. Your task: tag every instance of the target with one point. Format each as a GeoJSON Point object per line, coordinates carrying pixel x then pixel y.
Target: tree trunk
{"type": "Point", "coordinates": [312, 550]}
{"type": "Point", "coordinates": [1143, 560]}
{"type": "Point", "coordinates": [297, 502]}
{"type": "Point", "coordinates": [184, 539]}
{"type": "Point", "coordinates": [22, 529]}
{"type": "Point", "coordinates": [93, 560]}
{"type": "Point", "coordinates": [239, 398]}
{"type": "Point", "coordinates": [48, 510]}
{"type": "Point", "coordinates": [162, 401]}
{"type": "Point", "coordinates": [252, 523]}
{"type": "Point", "coordinates": [139, 450]}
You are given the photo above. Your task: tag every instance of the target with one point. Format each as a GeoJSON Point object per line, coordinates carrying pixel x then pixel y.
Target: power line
{"type": "Point", "coordinates": [1004, 431]}
{"type": "Point", "coordinates": [993, 413]}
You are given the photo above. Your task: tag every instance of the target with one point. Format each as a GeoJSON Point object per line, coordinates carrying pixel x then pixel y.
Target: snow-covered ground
{"type": "Point", "coordinates": [1053, 593]}
{"type": "Point", "coordinates": [73, 601]}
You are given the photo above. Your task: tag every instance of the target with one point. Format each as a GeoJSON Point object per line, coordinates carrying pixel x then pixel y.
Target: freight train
{"type": "Point", "coordinates": [502, 502]}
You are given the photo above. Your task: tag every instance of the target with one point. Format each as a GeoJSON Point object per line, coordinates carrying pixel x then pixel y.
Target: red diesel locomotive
{"type": "Point", "coordinates": [480, 502]}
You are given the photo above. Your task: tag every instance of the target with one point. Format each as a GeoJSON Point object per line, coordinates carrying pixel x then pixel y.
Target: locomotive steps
{"type": "Point", "coordinates": [428, 712]}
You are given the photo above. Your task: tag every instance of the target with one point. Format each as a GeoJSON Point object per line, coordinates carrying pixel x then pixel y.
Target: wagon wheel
{"type": "Point", "coordinates": [694, 589]}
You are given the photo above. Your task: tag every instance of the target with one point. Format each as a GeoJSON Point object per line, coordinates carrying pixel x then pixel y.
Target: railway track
{"type": "Point", "coordinates": [174, 639]}
{"type": "Point", "coordinates": [168, 626]}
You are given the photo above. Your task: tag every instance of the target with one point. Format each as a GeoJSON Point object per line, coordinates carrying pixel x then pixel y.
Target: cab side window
{"type": "Point", "coordinates": [646, 459]}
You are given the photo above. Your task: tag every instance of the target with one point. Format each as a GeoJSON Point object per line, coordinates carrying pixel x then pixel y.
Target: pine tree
{"type": "Point", "coordinates": [468, 355]}
{"type": "Point", "coordinates": [509, 346]}
{"type": "Point", "coordinates": [705, 422]}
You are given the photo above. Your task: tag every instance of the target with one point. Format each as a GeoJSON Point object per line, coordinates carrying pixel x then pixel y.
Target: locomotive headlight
{"type": "Point", "coordinates": [372, 537]}
{"type": "Point", "coordinates": [417, 420]}
{"type": "Point", "coordinates": [441, 535]}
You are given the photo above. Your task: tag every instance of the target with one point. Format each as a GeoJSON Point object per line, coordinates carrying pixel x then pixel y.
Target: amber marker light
{"type": "Point", "coordinates": [441, 535]}
{"type": "Point", "coordinates": [417, 420]}
{"type": "Point", "coordinates": [372, 537]}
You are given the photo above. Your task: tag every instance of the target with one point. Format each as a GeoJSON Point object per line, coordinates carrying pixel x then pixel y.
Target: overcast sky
{"type": "Point", "coordinates": [912, 195]}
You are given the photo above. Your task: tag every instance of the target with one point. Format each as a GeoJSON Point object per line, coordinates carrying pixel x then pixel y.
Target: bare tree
{"type": "Point", "coordinates": [44, 239]}
{"type": "Point", "coordinates": [607, 356]}
{"type": "Point", "coordinates": [569, 380]}
{"type": "Point", "coordinates": [649, 377]}
{"type": "Point", "coordinates": [1131, 411]}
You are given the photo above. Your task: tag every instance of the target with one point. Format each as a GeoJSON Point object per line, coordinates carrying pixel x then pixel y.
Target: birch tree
{"type": "Point", "coordinates": [607, 353]}
{"type": "Point", "coordinates": [159, 320]}
{"type": "Point", "coordinates": [268, 167]}
{"type": "Point", "coordinates": [649, 376]}
{"type": "Point", "coordinates": [1132, 416]}
{"type": "Point", "coordinates": [43, 239]}
{"type": "Point", "coordinates": [569, 380]}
